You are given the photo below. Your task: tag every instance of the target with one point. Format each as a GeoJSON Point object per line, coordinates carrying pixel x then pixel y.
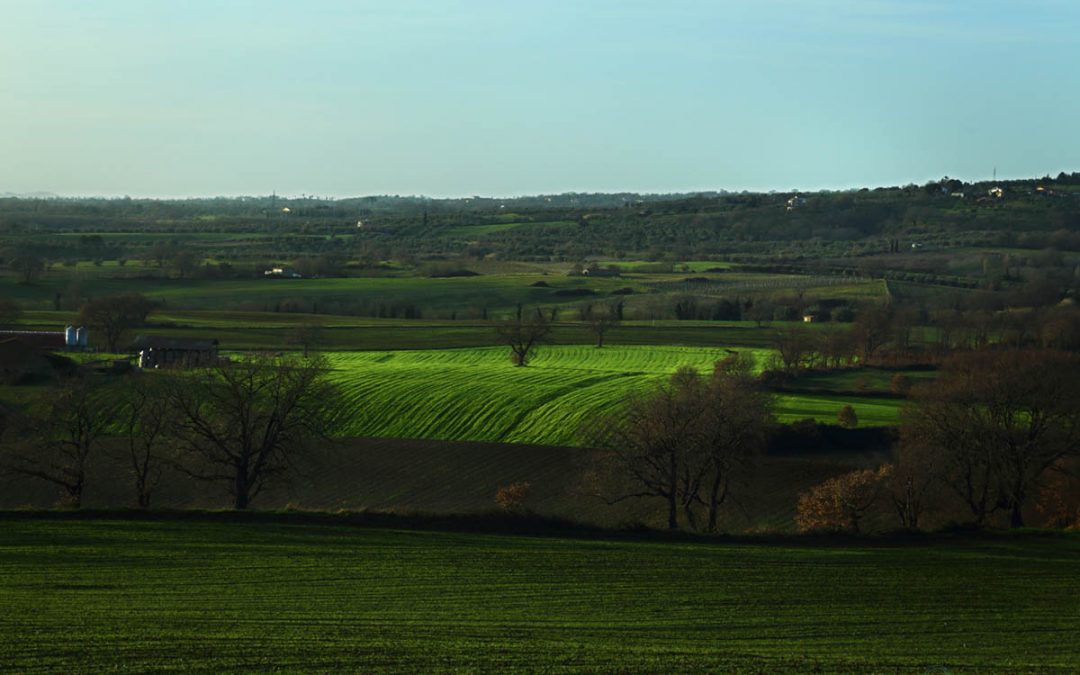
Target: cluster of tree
{"type": "Point", "coordinates": [115, 316]}
{"type": "Point", "coordinates": [240, 423]}
{"type": "Point", "coordinates": [886, 334]}
{"type": "Point", "coordinates": [997, 433]}
{"type": "Point", "coordinates": [687, 442]}
{"type": "Point", "coordinates": [864, 222]}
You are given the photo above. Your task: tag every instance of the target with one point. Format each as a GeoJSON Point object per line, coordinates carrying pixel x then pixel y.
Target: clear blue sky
{"type": "Point", "coordinates": [444, 98]}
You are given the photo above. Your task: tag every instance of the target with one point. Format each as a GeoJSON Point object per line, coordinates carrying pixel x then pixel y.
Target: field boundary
{"type": "Point", "coordinates": [532, 525]}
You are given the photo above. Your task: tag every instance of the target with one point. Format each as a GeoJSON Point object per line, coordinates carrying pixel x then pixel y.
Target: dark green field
{"type": "Point", "coordinates": [91, 595]}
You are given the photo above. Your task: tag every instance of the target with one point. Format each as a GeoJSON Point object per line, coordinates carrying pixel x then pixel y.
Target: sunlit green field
{"type": "Point", "coordinates": [477, 394]}
{"type": "Point", "coordinates": [98, 595]}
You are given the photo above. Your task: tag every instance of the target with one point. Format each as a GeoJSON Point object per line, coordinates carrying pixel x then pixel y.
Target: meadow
{"type": "Point", "coordinates": [296, 594]}
{"type": "Point", "coordinates": [476, 394]}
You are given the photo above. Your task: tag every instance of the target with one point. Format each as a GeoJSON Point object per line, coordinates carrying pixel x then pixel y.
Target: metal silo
{"type": "Point", "coordinates": [71, 339]}
{"type": "Point", "coordinates": [83, 336]}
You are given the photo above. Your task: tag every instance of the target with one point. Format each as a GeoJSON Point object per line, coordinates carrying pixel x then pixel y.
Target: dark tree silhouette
{"type": "Point", "coordinates": [115, 315]}
{"type": "Point", "coordinates": [243, 422]}
{"type": "Point", "coordinates": [523, 334]}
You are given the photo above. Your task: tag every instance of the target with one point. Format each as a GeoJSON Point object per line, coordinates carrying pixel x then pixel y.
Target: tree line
{"type": "Point", "coordinates": [995, 437]}
{"type": "Point", "coordinates": [240, 423]}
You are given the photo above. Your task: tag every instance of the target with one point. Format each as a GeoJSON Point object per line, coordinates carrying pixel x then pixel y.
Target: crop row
{"type": "Point", "coordinates": [476, 394]}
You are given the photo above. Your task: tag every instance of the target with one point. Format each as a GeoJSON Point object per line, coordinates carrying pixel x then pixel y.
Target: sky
{"type": "Point", "coordinates": [160, 98]}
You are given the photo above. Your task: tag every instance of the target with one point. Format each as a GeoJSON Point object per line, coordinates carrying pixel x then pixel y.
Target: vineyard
{"type": "Point", "coordinates": [476, 394]}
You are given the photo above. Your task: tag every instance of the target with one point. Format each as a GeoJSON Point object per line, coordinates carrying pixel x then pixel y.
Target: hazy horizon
{"type": "Point", "coordinates": [454, 99]}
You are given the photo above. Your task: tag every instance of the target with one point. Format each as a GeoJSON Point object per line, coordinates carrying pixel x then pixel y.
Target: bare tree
{"type": "Point", "coordinates": [29, 265]}
{"type": "Point", "coordinates": [870, 331]}
{"type": "Point", "coordinates": [794, 345]}
{"type": "Point", "coordinates": [144, 418]}
{"type": "Point", "coordinates": [686, 443]}
{"type": "Point", "coordinates": [115, 315]}
{"type": "Point", "coordinates": [734, 429]}
{"type": "Point", "coordinates": [523, 334]}
{"type": "Point", "coordinates": [998, 421]}
{"type": "Point", "coordinates": [307, 336]}
{"type": "Point", "coordinates": [600, 321]}
{"type": "Point", "coordinates": [59, 440]}
{"type": "Point", "coordinates": [646, 445]}
{"type": "Point", "coordinates": [243, 422]}
{"type": "Point", "coordinates": [912, 483]}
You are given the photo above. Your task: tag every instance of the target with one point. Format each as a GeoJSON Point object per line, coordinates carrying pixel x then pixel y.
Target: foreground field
{"type": "Point", "coordinates": [218, 596]}
{"type": "Point", "coordinates": [476, 394]}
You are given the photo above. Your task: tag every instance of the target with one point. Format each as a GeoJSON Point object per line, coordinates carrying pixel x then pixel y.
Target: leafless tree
{"type": "Point", "coordinates": [912, 483]}
{"type": "Point", "coordinates": [870, 331]}
{"type": "Point", "coordinates": [794, 346]}
{"type": "Point", "coordinates": [115, 315]}
{"type": "Point", "coordinates": [600, 321]}
{"type": "Point", "coordinates": [145, 420]}
{"type": "Point", "coordinates": [523, 334]}
{"type": "Point", "coordinates": [737, 416]}
{"type": "Point", "coordinates": [646, 445]}
{"type": "Point", "coordinates": [307, 336]}
{"type": "Point", "coordinates": [59, 439]}
{"type": "Point", "coordinates": [686, 442]}
{"type": "Point", "coordinates": [242, 422]}
{"type": "Point", "coordinates": [998, 421]}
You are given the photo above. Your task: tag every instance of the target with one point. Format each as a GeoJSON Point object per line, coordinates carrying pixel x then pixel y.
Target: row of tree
{"type": "Point", "coordinates": [239, 423]}
{"type": "Point", "coordinates": [995, 432]}
{"type": "Point", "coordinates": [997, 429]}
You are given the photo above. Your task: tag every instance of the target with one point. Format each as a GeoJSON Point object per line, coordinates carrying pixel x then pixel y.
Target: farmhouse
{"type": "Point", "coordinates": [282, 273]}
{"type": "Point", "coordinates": [165, 352]}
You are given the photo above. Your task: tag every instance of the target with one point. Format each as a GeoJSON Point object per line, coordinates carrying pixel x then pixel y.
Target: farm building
{"type": "Point", "coordinates": [165, 352]}
{"type": "Point", "coordinates": [22, 361]}
{"type": "Point", "coordinates": [70, 339]}
{"type": "Point", "coordinates": [282, 273]}
{"type": "Point", "coordinates": [18, 358]}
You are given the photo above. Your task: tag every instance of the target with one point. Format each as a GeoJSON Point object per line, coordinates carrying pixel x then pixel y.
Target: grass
{"type": "Point", "coordinates": [497, 293]}
{"type": "Point", "coordinates": [243, 329]}
{"type": "Point", "coordinates": [104, 594]}
{"type": "Point", "coordinates": [476, 394]}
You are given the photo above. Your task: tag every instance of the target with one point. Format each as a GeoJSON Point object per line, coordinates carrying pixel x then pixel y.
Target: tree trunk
{"type": "Point", "coordinates": [241, 496]}
{"type": "Point", "coordinates": [714, 503]}
{"type": "Point", "coordinates": [1016, 515]}
{"type": "Point", "coordinates": [673, 512]}
{"type": "Point", "coordinates": [74, 495]}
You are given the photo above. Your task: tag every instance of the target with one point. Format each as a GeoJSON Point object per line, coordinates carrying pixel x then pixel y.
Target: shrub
{"type": "Point", "coordinates": [511, 498]}
{"type": "Point", "coordinates": [839, 504]}
{"type": "Point", "coordinates": [900, 384]}
{"type": "Point", "coordinates": [847, 417]}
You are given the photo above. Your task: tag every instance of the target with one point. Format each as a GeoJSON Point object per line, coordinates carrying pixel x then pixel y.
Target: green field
{"type": "Point", "coordinates": [476, 394]}
{"type": "Point", "coordinates": [271, 595]}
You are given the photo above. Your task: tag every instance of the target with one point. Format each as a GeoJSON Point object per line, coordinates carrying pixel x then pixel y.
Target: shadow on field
{"type": "Point", "coordinates": [532, 525]}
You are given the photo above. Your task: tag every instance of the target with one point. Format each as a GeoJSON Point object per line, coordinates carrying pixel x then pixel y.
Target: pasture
{"type": "Point", "coordinates": [296, 594]}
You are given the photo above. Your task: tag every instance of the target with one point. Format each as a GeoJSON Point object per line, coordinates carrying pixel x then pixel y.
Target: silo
{"type": "Point", "coordinates": [83, 336]}
{"type": "Point", "coordinates": [71, 339]}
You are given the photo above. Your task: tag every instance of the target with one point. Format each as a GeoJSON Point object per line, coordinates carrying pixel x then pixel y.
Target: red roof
{"type": "Point", "coordinates": [17, 355]}
{"type": "Point", "coordinates": [48, 340]}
